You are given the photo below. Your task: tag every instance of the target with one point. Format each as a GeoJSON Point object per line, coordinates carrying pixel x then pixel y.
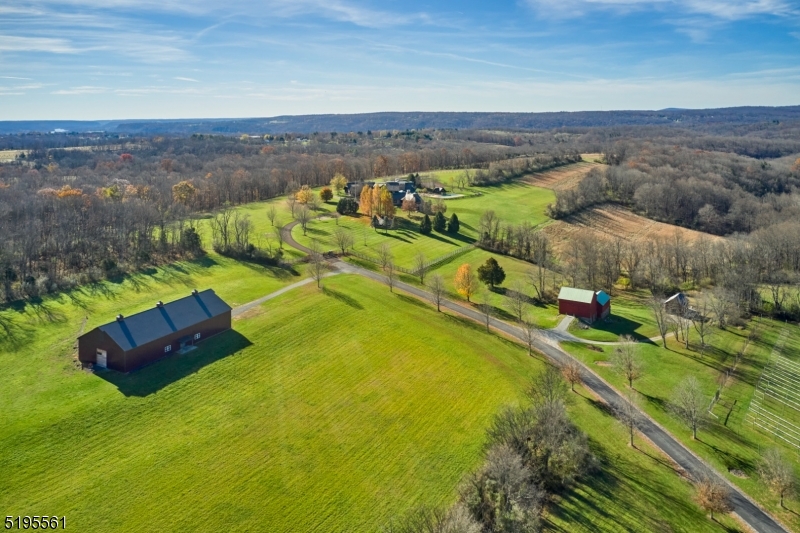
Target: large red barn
{"type": "Point", "coordinates": [585, 304]}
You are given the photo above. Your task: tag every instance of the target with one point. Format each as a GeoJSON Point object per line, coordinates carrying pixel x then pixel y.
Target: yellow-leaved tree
{"type": "Point", "coordinates": [376, 201]}
{"type": "Point", "coordinates": [365, 201]}
{"type": "Point", "coordinates": [338, 183]}
{"type": "Point", "coordinates": [183, 192]}
{"type": "Point", "coordinates": [466, 281]}
{"type": "Point", "coordinates": [386, 205]}
{"type": "Point", "coordinates": [305, 195]}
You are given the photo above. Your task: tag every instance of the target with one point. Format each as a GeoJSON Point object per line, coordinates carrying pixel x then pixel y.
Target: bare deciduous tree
{"type": "Point", "coordinates": [384, 255]}
{"type": "Point", "coordinates": [436, 287]}
{"type": "Point", "coordinates": [628, 414]}
{"type": "Point", "coordinates": [272, 212]}
{"type": "Point", "coordinates": [304, 217]}
{"type": "Point", "coordinates": [278, 231]}
{"type": "Point", "coordinates": [291, 201]}
{"type": "Point", "coordinates": [529, 333]}
{"type": "Point", "coordinates": [517, 300]}
{"type": "Point", "coordinates": [548, 388]}
{"type": "Point", "coordinates": [689, 404]}
{"type": "Point", "coordinates": [777, 473]}
{"type": "Point", "coordinates": [661, 316]}
{"type": "Point", "coordinates": [721, 303]}
{"type": "Point", "coordinates": [713, 496]}
{"type": "Point", "coordinates": [343, 239]}
{"type": "Point", "coordinates": [701, 321]}
{"type": "Point", "coordinates": [626, 359]}
{"type": "Point", "coordinates": [420, 266]}
{"type": "Point", "coordinates": [317, 262]}
{"type": "Point", "coordinates": [391, 275]}
{"type": "Point", "coordinates": [573, 373]}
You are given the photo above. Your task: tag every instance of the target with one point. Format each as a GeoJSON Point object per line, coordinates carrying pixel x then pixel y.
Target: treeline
{"type": "Point", "coordinates": [758, 273]}
{"type": "Point", "coordinates": [709, 191]}
{"type": "Point", "coordinates": [503, 171]}
{"type": "Point", "coordinates": [535, 452]}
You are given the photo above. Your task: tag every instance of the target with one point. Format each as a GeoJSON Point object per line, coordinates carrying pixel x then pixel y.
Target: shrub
{"type": "Point", "coordinates": [425, 225]}
{"type": "Point", "coordinates": [453, 225]}
{"type": "Point", "coordinates": [347, 206]}
{"type": "Point", "coordinates": [326, 194]}
{"type": "Point", "coordinates": [439, 222]}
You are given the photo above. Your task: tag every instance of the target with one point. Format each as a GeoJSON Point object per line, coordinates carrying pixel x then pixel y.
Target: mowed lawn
{"type": "Point", "coordinates": [40, 381]}
{"type": "Point", "coordinates": [322, 411]}
{"type": "Point", "coordinates": [513, 203]}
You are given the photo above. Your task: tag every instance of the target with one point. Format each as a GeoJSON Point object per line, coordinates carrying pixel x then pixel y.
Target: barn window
{"type": "Point", "coordinates": [167, 349]}
{"type": "Point", "coordinates": [197, 336]}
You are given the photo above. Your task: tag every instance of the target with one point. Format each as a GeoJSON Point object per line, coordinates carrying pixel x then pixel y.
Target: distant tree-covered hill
{"type": "Point", "coordinates": [700, 118]}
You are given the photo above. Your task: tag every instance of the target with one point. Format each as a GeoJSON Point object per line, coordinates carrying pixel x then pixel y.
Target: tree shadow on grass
{"type": "Point", "coordinates": [619, 325]}
{"type": "Point", "coordinates": [348, 300]}
{"type": "Point", "coordinates": [14, 332]}
{"type": "Point", "coordinates": [154, 377]}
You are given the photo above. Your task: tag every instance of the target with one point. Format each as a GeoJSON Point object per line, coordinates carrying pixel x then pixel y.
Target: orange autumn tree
{"type": "Point", "coordinates": [365, 201]}
{"type": "Point", "coordinates": [466, 281]}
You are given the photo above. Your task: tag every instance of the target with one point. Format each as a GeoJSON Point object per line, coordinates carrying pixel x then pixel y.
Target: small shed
{"type": "Point", "coordinates": [603, 304]}
{"type": "Point", "coordinates": [677, 304]}
{"type": "Point", "coordinates": [131, 342]}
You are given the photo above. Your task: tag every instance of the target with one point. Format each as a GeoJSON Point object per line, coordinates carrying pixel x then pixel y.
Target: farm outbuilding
{"type": "Point", "coordinates": [131, 342]}
{"type": "Point", "coordinates": [585, 304]}
{"type": "Point", "coordinates": [677, 304]}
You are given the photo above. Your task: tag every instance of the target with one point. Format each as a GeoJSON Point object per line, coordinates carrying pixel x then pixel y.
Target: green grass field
{"type": "Point", "coordinates": [513, 203]}
{"type": "Point", "coordinates": [729, 442]}
{"type": "Point", "coordinates": [321, 412]}
{"type": "Point", "coordinates": [545, 315]}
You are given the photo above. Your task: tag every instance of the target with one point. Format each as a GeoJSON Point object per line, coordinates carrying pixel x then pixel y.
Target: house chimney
{"type": "Point", "coordinates": [119, 318]}
{"type": "Point", "coordinates": [194, 292]}
{"type": "Point", "coordinates": [159, 304]}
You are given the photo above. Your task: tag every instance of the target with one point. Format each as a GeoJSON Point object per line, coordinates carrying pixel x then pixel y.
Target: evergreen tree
{"type": "Point", "coordinates": [491, 273]}
{"type": "Point", "coordinates": [453, 225]}
{"type": "Point", "coordinates": [425, 225]}
{"type": "Point", "coordinates": [439, 222]}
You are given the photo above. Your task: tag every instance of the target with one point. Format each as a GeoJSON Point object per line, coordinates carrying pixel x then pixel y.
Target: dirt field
{"type": "Point", "coordinates": [565, 177]}
{"type": "Point", "coordinates": [611, 221]}
{"type": "Point", "coordinates": [9, 155]}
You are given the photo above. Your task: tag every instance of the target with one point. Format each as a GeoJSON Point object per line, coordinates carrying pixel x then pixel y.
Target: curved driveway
{"type": "Point", "coordinates": [758, 519]}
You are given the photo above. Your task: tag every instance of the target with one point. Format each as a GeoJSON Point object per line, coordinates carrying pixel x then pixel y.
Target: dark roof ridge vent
{"type": "Point", "coordinates": [194, 292]}
{"type": "Point", "coordinates": [120, 318]}
{"type": "Point", "coordinates": [159, 304]}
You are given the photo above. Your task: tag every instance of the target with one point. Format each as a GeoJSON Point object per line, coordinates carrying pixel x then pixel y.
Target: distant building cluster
{"type": "Point", "coordinates": [401, 190]}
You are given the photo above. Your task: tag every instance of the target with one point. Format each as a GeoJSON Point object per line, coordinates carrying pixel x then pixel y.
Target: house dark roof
{"type": "Point", "coordinates": [150, 325]}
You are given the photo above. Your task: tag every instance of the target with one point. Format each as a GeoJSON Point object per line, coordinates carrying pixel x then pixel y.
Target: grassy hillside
{"type": "Point", "coordinates": [321, 412]}
{"type": "Point", "coordinates": [729, 442]}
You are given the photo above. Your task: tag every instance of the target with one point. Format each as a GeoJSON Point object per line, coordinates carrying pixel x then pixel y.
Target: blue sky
{"type": "Point", "coordinates": [108, 59]}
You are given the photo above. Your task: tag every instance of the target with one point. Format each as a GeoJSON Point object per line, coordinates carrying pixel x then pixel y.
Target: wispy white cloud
{"type": "Point", "coordinates": [722, 9]}
{"type": "Point", "coordinates": [181, 78]}
{"type": "Point", "coordinates": [14, 78]}
{"type": "Point", "coordinates": [86, 89]}
{"type": "Point", "coordinates": [14, 43]}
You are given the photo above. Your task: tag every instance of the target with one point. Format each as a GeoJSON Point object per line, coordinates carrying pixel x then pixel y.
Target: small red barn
{"type": "Point", "coordinates": [585, 304]}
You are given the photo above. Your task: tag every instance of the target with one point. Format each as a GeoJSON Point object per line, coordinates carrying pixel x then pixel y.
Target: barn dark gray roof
{"type": "Point", "coordinates": [151, 325]}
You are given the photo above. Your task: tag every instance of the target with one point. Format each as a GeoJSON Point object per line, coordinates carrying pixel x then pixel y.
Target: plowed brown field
{"type": "Point", "coordinates": [610, 221]}
{"type": "Point", "coordinates": [565, 177]}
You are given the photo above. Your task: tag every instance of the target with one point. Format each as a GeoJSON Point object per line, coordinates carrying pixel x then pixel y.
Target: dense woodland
{"type": "Point", "coordinates": [79, 207]}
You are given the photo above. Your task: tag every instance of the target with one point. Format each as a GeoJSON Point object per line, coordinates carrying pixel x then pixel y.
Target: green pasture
{"type": "Point", "coordinates": [545, 315]}
{"type": "Point", "coordinates": [629, 316]}
{"type": "Point", "coordinates": [322, 411]}
{"type": "Point", "coordinates": [405, 242]}
{"type": "Point", "coordinates": [728, 442]}
{"type": "Point", "coordinates": [513, 203]}
{"type": "Point", "coordinates": [37, 337]}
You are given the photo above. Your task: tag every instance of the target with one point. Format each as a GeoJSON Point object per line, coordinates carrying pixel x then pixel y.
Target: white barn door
{"type": "Point", "coordinates": [102, 356]}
